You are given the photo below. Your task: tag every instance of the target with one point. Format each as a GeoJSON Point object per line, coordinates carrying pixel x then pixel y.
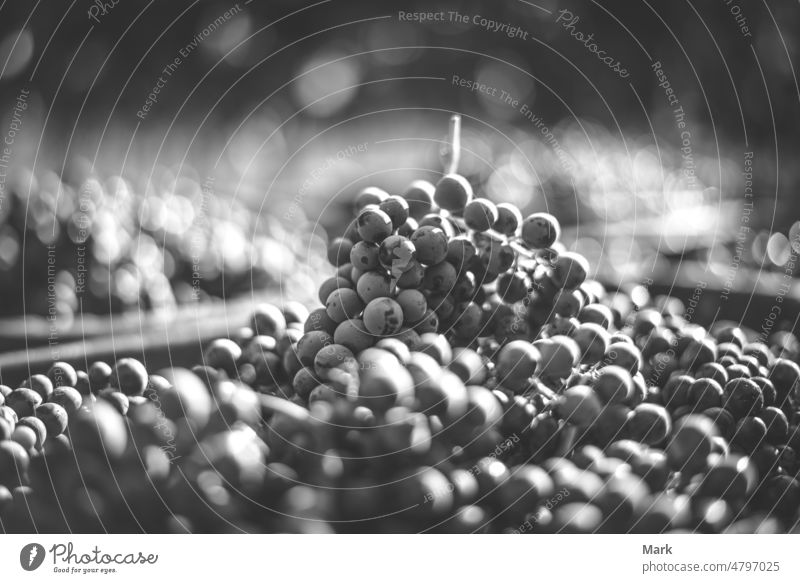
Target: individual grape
{"type": "Point", "coordinates": [453, 192]}
{"type": "Point", "coordinates": [460, 252]}
{"type": "Point", "coordinates": [396, 254]}
{"type": "Point", "coordinates": [383, 316]}
{"type": "Point", "coordinates": [318, 320]}
{"type": "Point", "coordinates": [304, 382]}
{"type": "Point", "coordinates": [364, 255]}
{"type": "Point", "coordinates": [750, 434]}
{"type": "Point", "coordinates": [509, 220]}
{"type": "Point", "coordinates": [649, 424]}
{"type": "Point", "coordinates": [690, 443]}
{"type": "Point", "coordinates": [480, 214]}
{"type": "Point", "coordinates": [353, 335]}
{"type": "Point", "coordinates": [397, 208]}
{"type": "Point", "coordinates": [373, 285]}
{"type": "Point", "coordinates": [559, 355]}
{"type": "Point", "coordinates": [374, 225]}
{"type": "Point", "coordinates": [369, 196]}
{"type": "Point", "coordinates": [742, 397]}
{"type": "Point", "coordinates": [310, 344]}
{"type": "Point", "coordinates": [54, 417]}
{"type": "Point", "coordinates": [625, 355]}
{"type": "Point", "coordinates": [419, 195]}
{"type": "Point", "coordinates": [69, 398]}
{"type": "Point", "coordinates": [512, 287]}
{"type": "Point", "coordinates": [23, 401]}
{"type": "Point", "coordinates": [571, 270]}
{"type": "Point", "coordinates": [39, 383]}
{"type": "Point", "coordinates": [592, 340]}
{"type": "Point", "coordinates": [268, 320]}
{"type": "Point", "coordinates": [497, 258]}
{"type": "Point", "coordinates": [343, 304]}
{"type": "Point", "coordinates": [440, 278]}
{"type": "Point", "coordinates": [62, 374]}
{"type": "Point", "coordinates": [613, 384]}
{"type": "Point", "coordinates": [413, 304]}
{"type": "Point", "coordinates": [331, 284]}
{"type": "Point", "coordinates": [333, 357]}
{"type": "Point", "coordinates": [516, 363]}
{"type": "Point", "coordinates": [413, 276]}
{"type": "Point", "coordinates": [777, 425]}
{"type": "Point", "coordinates": [339, 251]}
{"type": "Point", "coordinates": [222, 353]}
{"type": "Point", "coordinates": [579, 405]}
{"type": "Point", "coordinates": [430, 244]}
{"type": "Point", "coordinates": [39, 429]}
{"type": "Point", "coordinates": [705, 393]}
{"type": "Point", "coordinates": [540, 230]}
{"type": "Point", "coordinates": [468, 324]}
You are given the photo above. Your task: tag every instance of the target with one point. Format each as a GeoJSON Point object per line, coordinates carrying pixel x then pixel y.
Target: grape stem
{"type": "Point", "coordinates": [451, 151]}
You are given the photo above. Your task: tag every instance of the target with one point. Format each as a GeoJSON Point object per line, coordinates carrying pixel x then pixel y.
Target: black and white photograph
{"type": "Point", "coordinates": [399, 267]}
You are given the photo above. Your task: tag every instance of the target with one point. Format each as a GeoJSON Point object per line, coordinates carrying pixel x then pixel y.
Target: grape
{"type": "Point", "coordinates": [742, 397]}
{"type": "Point", "coordinates": [396, 254]}
{"type": "Point", "coordinates": [430, 244]}
{"type": "Point", "coordinates": [516, 363]}
{"type": "Point", "coordinates": [613, 384]}
{"type": "Point", "coordinates": [370, 195]}
{"type": "Point", "coordinates": [540, 230]}
{"type": "Point", "coordinates": [579, 405]}
{"type": "Point", "coordinates": [373, 285]}
{"type": "Point", "coordinates": [512, 287]}
{"type": "Point", "coordinates": [649, 424]}
{"type": "Point", "coordinates": [54, 418]}
{"type": "Point", "coordinates": [330, 285]}
{"type": "Point", "coordinates": [383, 316]}
{"type": "Point", "coordinates": [509, 219]}
{"type": "Point", "coordinates": [374, 225]}
{"type": "Point", "coordinates": [397, 208]}
{"type": "Point", "coordinates": [68, 398]}
{"type": "Point", "coordinates": [310, 344]}
{"type": "Point", "coordinates": [339, 251]}
{"type": "Point", "coordinates": [365, 255]}
{"type": "Point", "coordinates": [453, 192]}
{"type": "Point", "coordinates": [343, 304]}
{"type": "Point", "coordinates": [413, 304]}
{"type": "Point", "coordinates": [460, 251]}
{"type": "Point", "coordinates": [440, 278]}
{"type": "Point", "coordinates": [480, 214]}
{"type": "Point", "coordinates": [353, 334]}
{"type": "Point", "coordinates": [23, 401]}
{"type": "Point", "coordinates": [705, 393]}
{"type": "Point", "coordinates": [690, 443]}
{"type": "Point", "coordinates": [419, 195]}
{"type": "Point", "coordinates": [62, 374]}
{"type": "Point", "coordinates": [39, 383]}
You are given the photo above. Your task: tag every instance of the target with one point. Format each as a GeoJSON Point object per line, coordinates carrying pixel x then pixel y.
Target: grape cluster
{"type": "Point", "coordinates": [462, 374]}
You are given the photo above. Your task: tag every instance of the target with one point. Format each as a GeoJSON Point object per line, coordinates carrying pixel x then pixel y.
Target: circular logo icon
{"type": "Point", "coordinates": [31, 556]}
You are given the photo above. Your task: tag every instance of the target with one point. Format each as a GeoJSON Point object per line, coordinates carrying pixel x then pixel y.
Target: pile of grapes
{"type": "Point", "coordinates": [464, 375]}
{"type": "Point", "coordinates": [102, 246]}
